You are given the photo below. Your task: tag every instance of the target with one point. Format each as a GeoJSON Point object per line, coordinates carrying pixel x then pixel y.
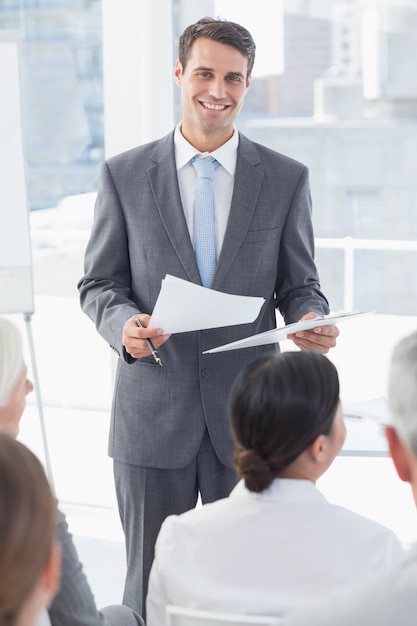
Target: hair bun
{"type": "Point", "coordinates": [255, 471]}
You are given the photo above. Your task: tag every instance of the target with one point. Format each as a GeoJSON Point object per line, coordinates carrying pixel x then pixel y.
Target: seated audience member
{"type": "Point", "coordinates": [275, 543]}
{"type": "Point", "coordinates": [74, 603]}
{"type": "Point", "coordinates": [391, 598]}
{"type": "Point", "coordinates": [29, 553]}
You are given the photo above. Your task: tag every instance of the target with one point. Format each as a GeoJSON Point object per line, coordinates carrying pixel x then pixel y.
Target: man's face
{"type": "Point", "coordinates": [214, 86]}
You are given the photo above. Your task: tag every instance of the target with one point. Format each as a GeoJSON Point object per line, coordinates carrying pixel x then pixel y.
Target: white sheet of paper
{"type": "Point", "coordinates": [279, 334]}
{"type": "Point", "coordinates": [183, 306]}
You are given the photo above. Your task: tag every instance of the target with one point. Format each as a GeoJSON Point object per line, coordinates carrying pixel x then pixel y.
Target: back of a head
{"type": "Point", "coordinates": [279, 405]}
{"type": "Point", "coordinates": [223, 32]}
{"type": "Point", "coordinates": [402, 390]}
{"type": "Point", "coordinates": [27, 526]}
{"type": "Point", "coordinates": [11, 358]}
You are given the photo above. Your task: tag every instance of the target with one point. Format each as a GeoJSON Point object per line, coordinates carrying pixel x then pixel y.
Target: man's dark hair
{"type": "Point", "coordinates": [222, 31]}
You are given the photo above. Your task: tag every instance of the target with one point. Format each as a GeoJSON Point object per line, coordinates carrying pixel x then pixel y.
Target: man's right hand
{"type": "Point", "coordinates": [134, 337]}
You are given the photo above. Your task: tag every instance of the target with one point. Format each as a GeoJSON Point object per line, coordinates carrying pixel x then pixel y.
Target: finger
{"type": "Point", "coordinates": [308, 340]}
{"type": "Point", "coordinates": [143, 319]}
{"type": "Point", "coordinates": [159, 340]}
{"type": "Point", "coordinates": [142, 331]}
{"type": "Point", "coordinates": [309, 345]}
{"type": "Point", "coordinates": [327, 340]}
{"type": "Point", "coordinates": [316, 334]}
{"type": "Point", "coordinates": [328, 331]}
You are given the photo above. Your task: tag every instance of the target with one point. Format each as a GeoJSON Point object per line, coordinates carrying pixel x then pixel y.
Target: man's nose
{"type": "Point", "coordinates": [217, 88]}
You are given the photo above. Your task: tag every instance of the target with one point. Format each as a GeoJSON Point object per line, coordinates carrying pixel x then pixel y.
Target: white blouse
{"type": "Point", "coordinates": [264, 553]}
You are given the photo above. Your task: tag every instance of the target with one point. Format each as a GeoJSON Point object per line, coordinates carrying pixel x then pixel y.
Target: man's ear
{"type": "Point", "coordinates": [178, 72]}
{"type": "Point", "coordinates": [399, 453]}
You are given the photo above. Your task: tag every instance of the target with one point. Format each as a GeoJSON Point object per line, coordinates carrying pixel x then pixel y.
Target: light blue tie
{"type": "Point", "coordinates": [205, 218]}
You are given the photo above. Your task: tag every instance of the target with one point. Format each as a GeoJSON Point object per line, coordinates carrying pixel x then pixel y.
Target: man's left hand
{"type": "Point", "coordinates": [320, 338]}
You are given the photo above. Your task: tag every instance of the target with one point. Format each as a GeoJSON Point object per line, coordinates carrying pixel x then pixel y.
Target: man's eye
{"type": "Point", "coordinates": [234, 78]}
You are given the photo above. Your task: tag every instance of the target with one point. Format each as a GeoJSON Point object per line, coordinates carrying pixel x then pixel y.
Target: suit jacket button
{"type": "Point", "coordinates": [206, 373]}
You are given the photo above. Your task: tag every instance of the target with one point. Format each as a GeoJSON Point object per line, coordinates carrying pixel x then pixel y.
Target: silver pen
{"type": "Point", "coordinates": [150, 345]}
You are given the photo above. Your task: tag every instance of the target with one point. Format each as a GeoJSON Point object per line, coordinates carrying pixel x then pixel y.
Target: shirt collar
{"type": "Point", "coordinates": [282, 489]}
{"type": "Point", "coordinates": [226, 155]}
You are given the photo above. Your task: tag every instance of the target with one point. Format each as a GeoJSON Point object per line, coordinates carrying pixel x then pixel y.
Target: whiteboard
{"type": "Point", "coordinates": [16, 277]}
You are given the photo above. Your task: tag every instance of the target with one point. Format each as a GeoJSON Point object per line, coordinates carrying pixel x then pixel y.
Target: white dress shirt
{"type": "Point", "coordinates": [223, 181]}
{"type": "Point", "coordinates": [264, 553]}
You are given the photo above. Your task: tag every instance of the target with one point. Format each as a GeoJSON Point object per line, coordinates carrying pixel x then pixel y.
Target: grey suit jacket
{"type": "Point", "coordinates": [139, 235]}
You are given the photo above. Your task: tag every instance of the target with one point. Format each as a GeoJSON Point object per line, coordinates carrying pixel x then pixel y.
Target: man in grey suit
{"type": "Point", "coordinates": [169, 434]}
{"type": "Point", "coordinates": [391, 598]}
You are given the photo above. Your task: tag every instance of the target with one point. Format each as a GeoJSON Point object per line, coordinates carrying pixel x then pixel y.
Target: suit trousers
{"type": "Point", "coordinates": [147, 495]}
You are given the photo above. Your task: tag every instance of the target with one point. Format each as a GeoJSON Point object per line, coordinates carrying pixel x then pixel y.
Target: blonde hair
{"type": "Point", "coordinates": [27, 526]}
{"type": "Point", "coordinates": [11, 358]}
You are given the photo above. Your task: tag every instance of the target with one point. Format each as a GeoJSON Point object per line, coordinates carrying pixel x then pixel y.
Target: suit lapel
{"type": "Point", "coordinates": [164, 183]}
{"type": "Point", "coordinates": [247, 186]}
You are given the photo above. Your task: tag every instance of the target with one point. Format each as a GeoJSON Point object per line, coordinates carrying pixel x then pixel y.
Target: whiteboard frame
{"type": "Point", "coordinates": [16, 273]}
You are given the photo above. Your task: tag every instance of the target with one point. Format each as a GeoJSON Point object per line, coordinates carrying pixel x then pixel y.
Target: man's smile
{"type": "Point", "coordinates": [214, 107]}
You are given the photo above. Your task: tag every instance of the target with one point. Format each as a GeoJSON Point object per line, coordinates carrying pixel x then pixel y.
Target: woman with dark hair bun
{"type": "Point", "coordinates": [275, 544]}
{"type": "Point", "coordinates": [286, 418]}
